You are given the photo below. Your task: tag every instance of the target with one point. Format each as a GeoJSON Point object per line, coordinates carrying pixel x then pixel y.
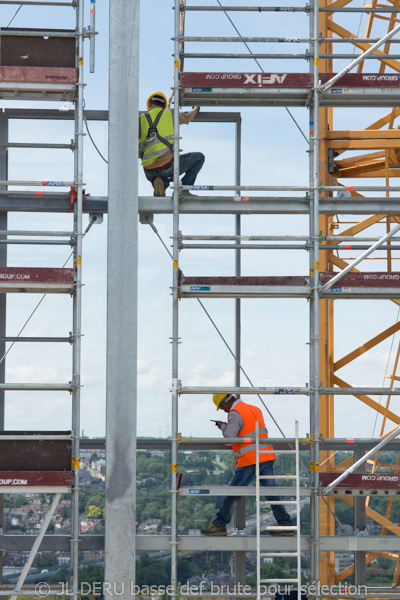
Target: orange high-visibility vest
{"type": "Point", "coordinates": [245, 454]}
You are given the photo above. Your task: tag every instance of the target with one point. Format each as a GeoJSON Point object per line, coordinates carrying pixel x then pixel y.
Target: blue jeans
{"type": "Point", "coordinates": [190, 164]}
{"type": "Point", "coordinates": [244, 476]}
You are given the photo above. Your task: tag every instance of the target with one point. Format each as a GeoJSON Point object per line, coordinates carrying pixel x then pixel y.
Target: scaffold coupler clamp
{"type": "Point", "coordinates": [74, 197]}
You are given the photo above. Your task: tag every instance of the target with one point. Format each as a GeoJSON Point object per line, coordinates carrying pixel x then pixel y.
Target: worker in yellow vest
{"type": "Point", "coordinates": [242, 420]}
{"type": "Point", "coordinates": [156, 143]}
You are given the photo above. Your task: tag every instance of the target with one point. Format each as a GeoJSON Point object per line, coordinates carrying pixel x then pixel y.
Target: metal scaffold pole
{"type": "Point", "coordinates": [77, 303]}
{"type": "Point", "coordinates": [122, 292]}
{"type": "Point", "coordinates": [175, 312]}
{"type": "Point", "coordinates": [314, 300]}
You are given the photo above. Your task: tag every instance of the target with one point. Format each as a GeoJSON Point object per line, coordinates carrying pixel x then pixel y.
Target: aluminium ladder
{"type": "Point", "coordinates": [296, 528]}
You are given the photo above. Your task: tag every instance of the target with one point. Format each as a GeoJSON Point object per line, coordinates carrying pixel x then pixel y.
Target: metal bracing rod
{"type": "Point", "coordinates": [355, 62]}
{"type": "Point", "coordinates": [361, 257]}
{"type": "Point", "coordinates": [361, 461]}
{"type": "Point", "coordinates": [36, 545]}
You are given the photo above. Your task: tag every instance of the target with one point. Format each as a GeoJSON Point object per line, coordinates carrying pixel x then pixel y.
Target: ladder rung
{"type": "Point", "coordinates": [277, 476]}
{"type": "Point", "coordinates": [278, 554]}
{"type": "Point", "coordinates": [277, 502]}
{"type": "Point", "coordinates": [277, 451]}
{"type": "Point", "coordinates": [279, 581]}
{"type": "Point", "coordinates": [280, 528]}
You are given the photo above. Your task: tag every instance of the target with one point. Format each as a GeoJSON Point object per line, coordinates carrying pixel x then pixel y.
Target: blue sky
{"type": "Point", "coordinates": [275, 332]}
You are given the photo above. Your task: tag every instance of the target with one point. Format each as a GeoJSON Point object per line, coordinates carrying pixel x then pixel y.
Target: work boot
{"type": "Point", "coordinates": [159, 186]}
{"type": "Point", "coordinates": [282, 532]}
{"type": "Point", "coordinates": [187, 194]}
{"type": "Point", "coordinates": [214, 530]}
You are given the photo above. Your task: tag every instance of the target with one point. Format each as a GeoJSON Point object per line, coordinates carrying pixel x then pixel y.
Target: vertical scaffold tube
{"type": "Point", "coordinates": [175, 319]}
{"type": "Point", "coordinates": [314, 301]}
{"type": "Point", "coordinates": [92, 33]}
{"type": "Point", "coordinates": [77, 303]}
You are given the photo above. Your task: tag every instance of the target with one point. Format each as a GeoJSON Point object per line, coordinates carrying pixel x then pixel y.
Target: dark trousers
{"type": "Point", "coordinates": [244, 476]}
{"type": "Point", "coordinates": [189, 164]}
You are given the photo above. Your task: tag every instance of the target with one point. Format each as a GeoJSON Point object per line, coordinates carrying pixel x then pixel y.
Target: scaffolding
{"type": "Point", "coordinates": [42, 64]}
{"type": "Point", "coordinates": [320, 91]}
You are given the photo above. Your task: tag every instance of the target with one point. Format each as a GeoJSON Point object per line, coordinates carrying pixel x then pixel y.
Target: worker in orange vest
{"type": "Point", "coordinates": [242, 420]}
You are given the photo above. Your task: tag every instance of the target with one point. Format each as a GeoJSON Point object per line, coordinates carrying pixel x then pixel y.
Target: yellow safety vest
{"type": "Point", "coordinates": [152, 147]}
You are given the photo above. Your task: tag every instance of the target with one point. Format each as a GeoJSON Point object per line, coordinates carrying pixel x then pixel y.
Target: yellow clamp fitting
{"type": "Point", "coordinates": [174, 263]}
{"type": "Point", "coordinates": [178, 437]}
{"type": "Point", "coordinates": [174, 468]}
{"type": "Point", "coordinates": [78, 260]}
{"type": "Point", "coordinates": [75, 462]}
{"type": "Point", "coordinates": [316, 265]}
{"type": "Point", "coordinates": [314, 466]}
{"type": "Point", "coordinates": [80, 61]}
{"type": "Point", "coordinates": [311, 272]}
{"type": "Point", "coordinates": [176, 64]}
{"type": "Point", "coordinates": [316, 62]}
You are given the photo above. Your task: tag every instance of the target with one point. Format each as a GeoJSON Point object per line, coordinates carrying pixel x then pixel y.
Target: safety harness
{"type": "Point", "coordinates": [153, 133]}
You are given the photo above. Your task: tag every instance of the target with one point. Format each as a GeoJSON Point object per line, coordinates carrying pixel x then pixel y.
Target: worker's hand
{"type": "Point", "coordinates": [197, 108]}
{"type": "Point", "coordinates": [218, 424]}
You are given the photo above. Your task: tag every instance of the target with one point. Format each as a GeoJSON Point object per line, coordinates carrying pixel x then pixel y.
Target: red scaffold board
{"type": "Point", "coordinates": [286, 80]}
{"type": "Point", "coordinates": [364, 280]}
{"type": "Point", "coordinates": [36, 275]}
{"type": "Point", "coordinates": [35, 479]}
{"type": "Point", "coordinates": [39, 74]}
{"type": "Point", "coordinates": [367, 481]}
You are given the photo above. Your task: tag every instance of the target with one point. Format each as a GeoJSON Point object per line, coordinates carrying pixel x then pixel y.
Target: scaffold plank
{"type": "Point", "coordinates": [352, 285]}
{"type": "Point", "coordinates": [287, 89]}
{"type": "Point", "coordinates": [356, 484]}
{"type": "Point", "coordinates": [33, 279]}
{"type": "Point", "coordinates": [19, 482]}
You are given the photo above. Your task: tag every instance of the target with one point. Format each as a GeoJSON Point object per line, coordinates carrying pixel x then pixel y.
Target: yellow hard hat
{"type": "Point", "coordinates": [159, 96]}
{"type": "Point", "coordinates": [217, 399]}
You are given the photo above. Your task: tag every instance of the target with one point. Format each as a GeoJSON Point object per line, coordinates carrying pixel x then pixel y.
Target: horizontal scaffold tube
{"type": "Point", "coordinates": [275, 40]}
{"type": "Point", "coordinates": [303, 56]}
{"type": "Point", "coordinates": [301, 391]}
{"type": "Point", "coordinates": [286, 9]}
